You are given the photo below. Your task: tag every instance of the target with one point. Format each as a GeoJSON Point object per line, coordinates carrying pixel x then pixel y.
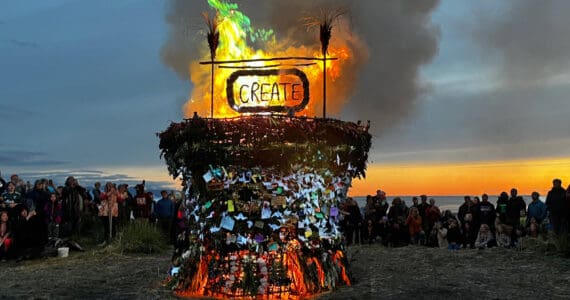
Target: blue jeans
{"type": "Point", "coordinates": [453, 246]}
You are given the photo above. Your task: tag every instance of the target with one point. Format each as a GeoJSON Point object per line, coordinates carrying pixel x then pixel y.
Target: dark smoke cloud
{"type": "Point", "coordinates": [530, 38]}
{"type": "Point", "coordinates": [399, 34]}
{"type": "Point", "coordinates": [402, 39]}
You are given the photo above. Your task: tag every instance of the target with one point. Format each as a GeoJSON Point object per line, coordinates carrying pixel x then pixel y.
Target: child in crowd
{"type": "Point", "coordinates": [5, 236]}
{"type": "Point", "coordinates": [369, 232]}
{"type": "Point", "coordinates": [53, 212]}
{"type": "Point", "coordinates": [441, 235]}
{"type": "Point", "coordinates": [503, 234]}
{"type": "Point", "coordinates": [453, 235]}
{"type": "Point", "coordinates": [485, 238]}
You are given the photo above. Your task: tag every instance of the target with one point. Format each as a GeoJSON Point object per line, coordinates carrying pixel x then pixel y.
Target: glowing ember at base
{"type": "Point", "coordinates": [276, 274]}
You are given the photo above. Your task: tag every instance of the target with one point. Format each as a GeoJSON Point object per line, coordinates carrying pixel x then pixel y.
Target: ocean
{"type": "Point", "coordinates": [443, 202]}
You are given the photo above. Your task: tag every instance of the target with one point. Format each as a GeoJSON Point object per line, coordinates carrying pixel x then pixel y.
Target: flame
{"type": "Point", "coordinates": [235, 31]}
{"type": "Point", "coordinates": [300, 286]}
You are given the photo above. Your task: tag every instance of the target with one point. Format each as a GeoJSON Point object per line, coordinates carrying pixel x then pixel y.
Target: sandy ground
{"type": "Point", "coordinates": [380, 273]}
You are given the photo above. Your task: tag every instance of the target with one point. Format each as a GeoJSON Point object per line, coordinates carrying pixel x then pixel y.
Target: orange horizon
{"type": "Point", "coordinates": [464, 178]}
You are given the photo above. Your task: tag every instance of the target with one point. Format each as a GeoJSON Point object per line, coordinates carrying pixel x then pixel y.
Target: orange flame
{"type": "Point", "coordinates": [234, 27]}
{"type": "Point", "coordinates": [300, 286]}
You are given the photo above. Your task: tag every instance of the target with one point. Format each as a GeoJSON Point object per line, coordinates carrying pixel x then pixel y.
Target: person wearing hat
{"type": "Point", "coordinates": [142, 203]}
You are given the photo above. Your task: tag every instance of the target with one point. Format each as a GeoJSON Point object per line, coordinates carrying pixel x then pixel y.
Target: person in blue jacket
{"type": "Point", "coordinates": [536, 209]}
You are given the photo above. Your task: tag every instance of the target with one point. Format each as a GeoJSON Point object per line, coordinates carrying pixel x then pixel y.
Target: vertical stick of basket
{"type": "Point", "coordinates": [213, 37]}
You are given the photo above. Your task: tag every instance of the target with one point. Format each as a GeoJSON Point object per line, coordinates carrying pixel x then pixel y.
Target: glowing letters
{"type": "Point", "coordinates": [255, 91]}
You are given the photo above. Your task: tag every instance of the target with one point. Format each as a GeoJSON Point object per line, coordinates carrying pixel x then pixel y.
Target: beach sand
{"type": "Point", "coordinates": [379, 272]}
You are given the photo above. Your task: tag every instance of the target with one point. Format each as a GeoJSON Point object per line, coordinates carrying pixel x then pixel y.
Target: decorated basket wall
{"type": "Point", "coordinates": [266, 196]}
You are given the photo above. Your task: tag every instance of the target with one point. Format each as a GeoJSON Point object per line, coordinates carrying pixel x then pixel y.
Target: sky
{"type": "Point", "coordinates": [465, 97]}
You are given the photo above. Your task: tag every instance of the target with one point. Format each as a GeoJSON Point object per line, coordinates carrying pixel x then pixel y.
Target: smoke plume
{"type": "Point", "coordinates": [530, 39]}
{"type": "Point", "coordinates": [389, 41]}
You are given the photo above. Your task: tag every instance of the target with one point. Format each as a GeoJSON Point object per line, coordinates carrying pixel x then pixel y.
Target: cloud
{"type": "Point", "coordinates": [24, 44]}
{"type": "Point", "coordinates": [528, 38]}
{"type": "Point", "coordinates": [399, 36]}
{"type": "Point", "coordinates": [9, 111]}
{"type": "Point", "coordinates": [87, 178]}
{"type": "Point", "coordinates": [27, 158]}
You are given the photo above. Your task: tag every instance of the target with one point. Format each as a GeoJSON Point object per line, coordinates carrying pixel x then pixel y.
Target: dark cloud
{"type": "Point", "coordinates": [529, 38]}
{"type": "Point", "coordinates": [9, 111]}
{"type": "Point", "coordinates": [87, 178]}
{"type": "Point", "coordinates": [27, 158]}
{"type": "Point", "coordinates": [501, 124]}
{"type": "Point", "coordinates": [400, 38]}
{"type": "Point", "coordinates": [24, 44]}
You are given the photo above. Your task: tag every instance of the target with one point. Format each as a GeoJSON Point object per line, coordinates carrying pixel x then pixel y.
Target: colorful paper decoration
{"type": "Point", "coordinates": [228, 223]}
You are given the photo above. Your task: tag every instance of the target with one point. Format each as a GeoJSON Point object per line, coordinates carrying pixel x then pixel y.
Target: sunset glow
{"type": "Point", "coordinates": [470, 178]}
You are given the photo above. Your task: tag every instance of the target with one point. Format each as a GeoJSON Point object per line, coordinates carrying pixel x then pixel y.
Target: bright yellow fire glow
{"type": "Point", "coordinates": [234, 32]}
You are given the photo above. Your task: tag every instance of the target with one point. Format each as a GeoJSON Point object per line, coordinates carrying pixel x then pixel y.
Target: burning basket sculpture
{"type": "Point", "coordinates": [266, 190]}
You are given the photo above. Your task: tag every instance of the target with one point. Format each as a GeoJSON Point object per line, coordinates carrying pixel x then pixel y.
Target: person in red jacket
{"type": "Point", "coordinates": [414, 223]}
{"type": "Point", "coordinates": [432, 213]}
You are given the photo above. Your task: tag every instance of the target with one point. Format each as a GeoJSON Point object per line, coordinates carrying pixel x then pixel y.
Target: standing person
{"type": "Point", "coordinates": [72, 195]}
{"type": "Point", "coordinates": [164, 211]}
{"type": "Point", "coordinates": [476, 201]}
{"type": "Point", "coordinates": [26, 240]}
{"type": "Point", "coordinates": [97, 193]}
{"type": "Point", "coordinates": [109, 210]}
{"type": "Point", "coordinates": [369, 209]}
{"type": "Point", "coordinates": [516, 208]}
{"type": "Point", "coordinates": [536, 210]}
{"type": "Point", "coordinates": [5, 236]}
{"type": "Point", "coordinates": [485, 213]}
{"type": "Point", "coordinates": [502, 202]}
{"type": "Point", "coordinates": [39, 197]}
{"type": "Point", "coordinates": [2, 184]}
{"type": "Point", "coordinates": [50, 186]}
{"type": "Point", "coordinates": [353, 222]}
{"type": "Point", "coordinates": [433, 214]}
{"type": "Point", "coordinates": [380, 206]}
{"type": "Point", "coordinates": [53, 212]}
{"type": "Point", "coordinates": [12, 198]}
{"type": "Point", "coordinates": [568, 204]}
{"type": "Point", "coordinates": [126, 204]}
{"type": "Point", "coordinates": [414, 223]}
{"type": "Point", "coordinates": [557, 206]}
{"type": "Point", "coordinates": [143, 203]}
{"type": "Point", "coordinates": [18, 183]}
{"type": "Point", "coordinates": [466, 210]}
{"type": "Point", "coordinates": [422, 210]}
{"type": "Point", "coordinates": [179, 220]}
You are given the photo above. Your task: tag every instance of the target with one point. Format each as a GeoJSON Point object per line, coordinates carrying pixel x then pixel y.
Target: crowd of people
{"type": "Point", "coordinates": [35, 216]}
{"type": "Point", "coordinates": [478, 223]}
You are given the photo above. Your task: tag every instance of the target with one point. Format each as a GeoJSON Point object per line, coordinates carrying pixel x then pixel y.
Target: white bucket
{"type": "Point", "coordinates": [63, 252]}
